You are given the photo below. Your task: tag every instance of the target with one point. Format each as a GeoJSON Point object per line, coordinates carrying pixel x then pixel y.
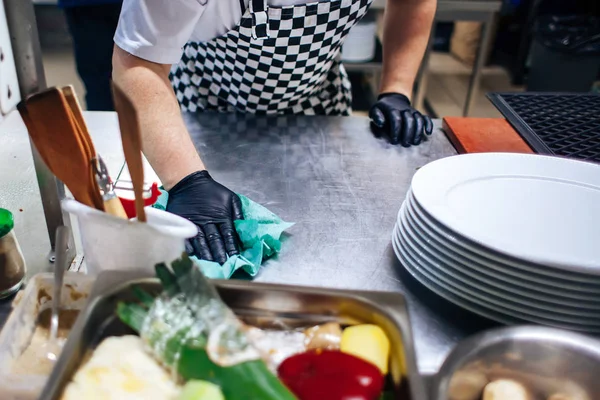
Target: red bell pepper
{"type": "Point", "coordinates": [331, 375]}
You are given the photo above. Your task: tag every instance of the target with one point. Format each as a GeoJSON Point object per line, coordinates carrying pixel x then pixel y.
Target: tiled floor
{"type": "Point", "coordinates": [59, 65]}
{"type": "Point", "coordinates": [447, 88]}
{"type": "Point", "coordinates": [448, 83]}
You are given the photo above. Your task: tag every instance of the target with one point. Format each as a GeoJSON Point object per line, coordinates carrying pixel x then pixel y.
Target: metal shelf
{"type": "Point", "coordinates": [445, 6]}
{"type": "Point", "coordinates": [370, 66]}
{"type": "Point", "coordinates": [373, 66]}
{"type": "Point", "coordinates": [447, 10]}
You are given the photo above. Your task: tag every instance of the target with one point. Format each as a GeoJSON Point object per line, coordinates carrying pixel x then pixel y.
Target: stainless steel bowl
{"type": "Point", "coordinates": [547, 361]}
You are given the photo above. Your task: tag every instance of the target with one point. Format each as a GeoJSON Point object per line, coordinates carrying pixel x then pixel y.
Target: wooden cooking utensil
{"type": "Point", "coordinates": [132, 146]}
{"type": "Point", "coordinates": [82, 131]}
{"type": "Point", "coordinates": [73, 102]}
{"type": "Point", "coordinates": [55, 133]}
{"type": "Point", "coordinates": [77, 113]}
{"type": "Point", "coordinates": [112, 204]}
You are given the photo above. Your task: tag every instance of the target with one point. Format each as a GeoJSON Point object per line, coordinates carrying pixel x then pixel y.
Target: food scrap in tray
{"type": "Point", "coordinates": [481, 382]}
{"type": "Point", "coordinates": [191, 346]}
{"type": "Point", "coordinates": [33, 360]}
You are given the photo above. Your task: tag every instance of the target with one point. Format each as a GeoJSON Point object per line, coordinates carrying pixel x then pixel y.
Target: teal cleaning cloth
{"type": "Point", "coordinates": [260, 235]}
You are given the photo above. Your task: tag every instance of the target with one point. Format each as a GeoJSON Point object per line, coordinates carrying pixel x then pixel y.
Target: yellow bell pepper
{"type": "Point", "coordinates": [368, 342]}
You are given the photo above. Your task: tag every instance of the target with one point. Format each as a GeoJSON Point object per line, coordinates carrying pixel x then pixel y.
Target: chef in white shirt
{"type": "Point", "coordinates": [253, 56]}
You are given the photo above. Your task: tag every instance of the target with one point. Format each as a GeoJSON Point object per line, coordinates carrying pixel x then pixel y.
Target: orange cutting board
{"type": "Point", "coordinates": [484, 135]}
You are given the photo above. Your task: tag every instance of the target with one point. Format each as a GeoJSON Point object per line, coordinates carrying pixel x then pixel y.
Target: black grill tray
{"type": "Point", "coordinates": [562, 124]}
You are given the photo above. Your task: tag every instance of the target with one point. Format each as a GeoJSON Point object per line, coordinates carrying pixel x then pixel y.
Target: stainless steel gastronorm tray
{"type": "Point", "coordinates": [257, 303]}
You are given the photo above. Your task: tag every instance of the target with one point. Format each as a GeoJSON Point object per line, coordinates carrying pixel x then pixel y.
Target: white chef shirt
{"type": "Point", "coordinates": [157, 30]}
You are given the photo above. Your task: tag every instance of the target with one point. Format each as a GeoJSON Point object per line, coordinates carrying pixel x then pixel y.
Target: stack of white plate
{"type": "Point", "coordinates": [512, 237]}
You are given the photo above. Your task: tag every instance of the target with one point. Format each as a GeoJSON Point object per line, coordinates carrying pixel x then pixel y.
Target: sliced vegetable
{"type": "Point", "coordinates": [246, 380]}
{"type": "Point", "coordinates": [120, 368]}
{"type": "Point", "coordinates": [190, 330]}
{"type": "Point", "coordinates": [467, 385]}
{"type": "Point", "coordinates": [388, 395]}
{"type": "Point", "coordinates": [146, 299]}
{"type": "Point", "coordinates": [201, 390]}
{"type": "Point", "coordinates": [132, 314]}
{"type": "Point", "coordinates": [331, 375]}
{"type": "Point", "coordinates": [327, 336]}
{"type": "Point", "coordinates": [368, 342]}
{"type": "Point", "coordinates": [167, 279]}
{"type": "Point", "coordinates": [506, 389]}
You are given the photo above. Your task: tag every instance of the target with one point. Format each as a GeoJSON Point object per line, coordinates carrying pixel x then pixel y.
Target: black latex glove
{"type": "Point", "coordinates": [213, 208]}
{"type": "Point", "coordinates": [393, 116]}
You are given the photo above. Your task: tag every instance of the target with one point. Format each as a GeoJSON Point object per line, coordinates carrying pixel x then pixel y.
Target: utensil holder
{"type": "Point", "coordinates": [111, 243]}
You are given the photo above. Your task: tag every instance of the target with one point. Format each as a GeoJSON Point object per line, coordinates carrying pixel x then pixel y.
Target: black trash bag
{"type": "Point", "coordinates": [573, 34]}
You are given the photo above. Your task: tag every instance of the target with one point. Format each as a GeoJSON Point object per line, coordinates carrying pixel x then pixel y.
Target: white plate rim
{"type": "Point", "coordinates": [444, 293]}
{"type": "Point", "coordinates": [489, 298]}
{"type": "Point", "coordinates": [550, 284]}
{"type": "Point", "coordinates": [492, 307]}
{"type": "Point", "coordinates": [489, 285]}
{"type": "Point", "coordinates": [513, 164]}
{"type": "Point", "coordinates": [496, 258]}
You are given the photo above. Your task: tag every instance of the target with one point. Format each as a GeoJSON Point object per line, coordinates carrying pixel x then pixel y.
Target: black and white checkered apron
{"type": "Point", "coordinates": [278, 60]}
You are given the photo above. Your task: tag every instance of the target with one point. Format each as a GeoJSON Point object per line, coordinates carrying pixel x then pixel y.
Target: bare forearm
{"type": "Point", "coordinates": [407, 25]}
{"type": "Point", "coordinates": [165, 139]}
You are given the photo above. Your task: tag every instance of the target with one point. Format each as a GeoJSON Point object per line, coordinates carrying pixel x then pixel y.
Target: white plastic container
{"type": "Point", "coordinates": [359, 45]}
{"type": "Point", "coordinates": [20, 326]}
{"type": "Point", "coordinates": [111, 243]}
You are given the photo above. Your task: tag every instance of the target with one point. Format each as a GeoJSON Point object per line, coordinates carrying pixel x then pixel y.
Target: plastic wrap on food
{"type": "Point", "coordinates": [276, 346]}
{"type": "Point", "coordinates": [194, 334]}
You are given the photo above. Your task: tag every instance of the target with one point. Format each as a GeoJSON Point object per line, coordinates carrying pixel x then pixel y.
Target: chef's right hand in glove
{"type": "Point", "coordinates": [213, 208]}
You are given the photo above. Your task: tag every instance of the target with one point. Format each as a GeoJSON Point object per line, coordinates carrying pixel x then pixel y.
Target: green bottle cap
{"type": "Point", "coordinates": [7, 222]}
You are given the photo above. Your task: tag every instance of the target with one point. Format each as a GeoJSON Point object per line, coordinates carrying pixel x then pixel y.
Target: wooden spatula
{"type": "Point", "coordinates": [82, 131]}
{"type": "Point", "coordinates": [55, 133]}
{"type": "Point", "coordinates": [132, 146]}
{"type": "Point", "coordinates": [112, 204]}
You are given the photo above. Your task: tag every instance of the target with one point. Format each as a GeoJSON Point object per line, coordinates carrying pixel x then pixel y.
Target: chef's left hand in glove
{"type": "Point", "coordinates": [393, 116]}
{"type": "Point", "coordinates": [213, 208]}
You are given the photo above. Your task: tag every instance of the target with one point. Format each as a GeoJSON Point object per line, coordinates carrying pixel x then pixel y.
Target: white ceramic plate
{"type": "Point", "coordinates": [569, 311]}
{"type": "Point", "coordinates": [569, 284]}
{"type": "Point", "coordinates": [434, 287]}
{"type": "Point", "coordinates": [487, 297]}
{"type": "Point", "coordinates": [545, 210]}
{"type": "Point", "coordinates": [456, 294]}
{"type": "Point", "coordinates": [553, 292]}
{"type": "Point", "coordinates": [574, 280]}
{"type": "Point", "coordinates": [433, 284]}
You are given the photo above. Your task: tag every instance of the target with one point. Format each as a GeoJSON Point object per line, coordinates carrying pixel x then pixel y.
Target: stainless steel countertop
{"type": "Point", "coordinates": [343, 189]}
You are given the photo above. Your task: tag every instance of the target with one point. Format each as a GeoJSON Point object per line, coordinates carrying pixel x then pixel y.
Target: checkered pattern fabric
{"type": "Point", "coordinates": [296, 70]}
{"type": "Point", "coordinates": [260, 19]}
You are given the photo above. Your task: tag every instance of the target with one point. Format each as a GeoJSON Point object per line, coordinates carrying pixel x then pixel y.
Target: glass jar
{"type": "Point", "coordinates": [12, 263]}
